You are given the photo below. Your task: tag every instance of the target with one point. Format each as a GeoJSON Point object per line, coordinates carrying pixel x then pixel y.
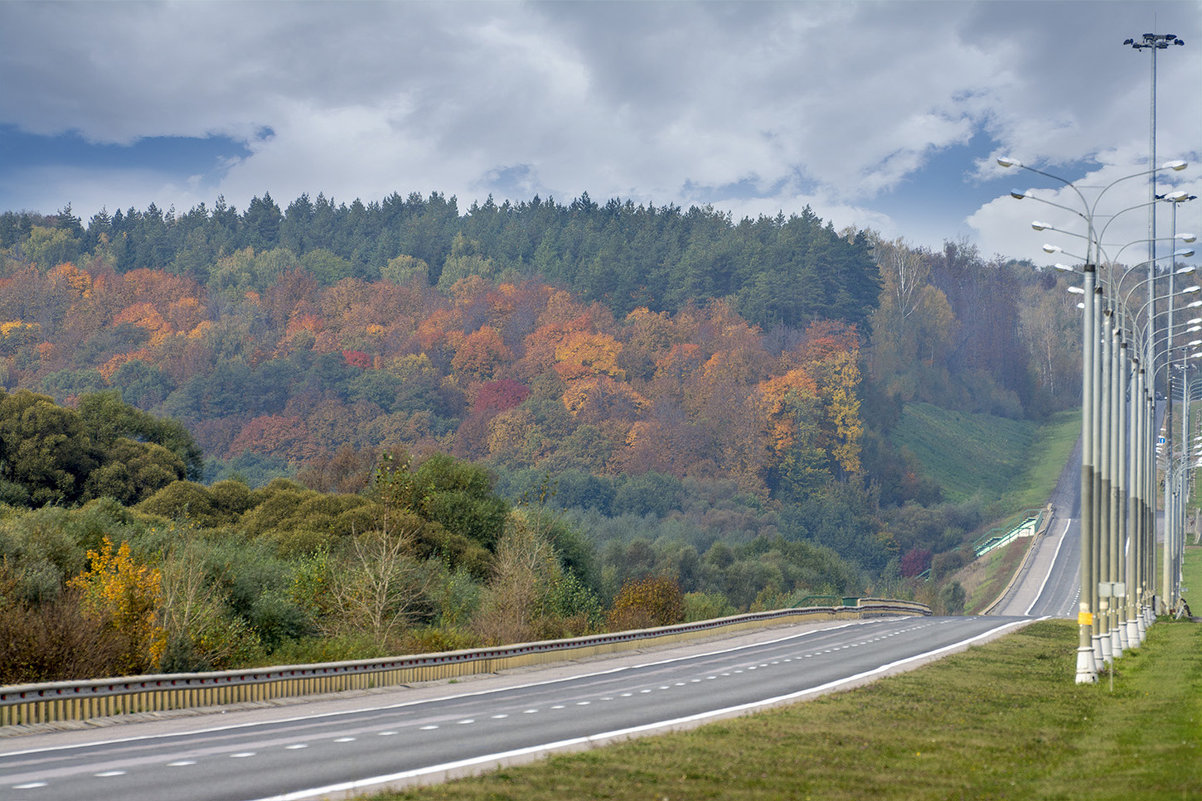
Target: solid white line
{"type": "Point", "coordinates": [343, 789]}
{"type": "Point", "coordinates": [1055, 557]}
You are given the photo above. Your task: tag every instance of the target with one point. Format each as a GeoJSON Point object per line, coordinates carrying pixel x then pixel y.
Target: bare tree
{"type": "Point", "coordinates": [382, 585]}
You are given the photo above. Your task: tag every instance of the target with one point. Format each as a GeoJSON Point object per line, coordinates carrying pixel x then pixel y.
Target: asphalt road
{"type": "Point", "coordinates": [402, 736]}
{"type": "Point", "coordinates": [1050, 582]}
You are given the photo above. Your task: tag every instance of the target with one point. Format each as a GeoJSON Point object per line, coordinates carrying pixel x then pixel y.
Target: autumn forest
{"type": "Point", "coordinates": [331, 431]}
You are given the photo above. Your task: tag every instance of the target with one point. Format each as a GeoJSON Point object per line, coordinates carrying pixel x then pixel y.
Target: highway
{"type": "Point", "coordinates": [1050, 582]}
{"type": "Point", "coordinates": [361, 743]}
{"type": "Point", "coordinates": [352, 745]}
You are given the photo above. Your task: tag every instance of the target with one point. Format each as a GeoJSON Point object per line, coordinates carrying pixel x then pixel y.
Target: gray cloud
{"type": "Point", "coordinates": [753, 107]}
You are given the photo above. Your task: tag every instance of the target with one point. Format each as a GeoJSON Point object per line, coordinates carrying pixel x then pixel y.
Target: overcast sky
{"type": "Point", "coordinates": [883, 115]}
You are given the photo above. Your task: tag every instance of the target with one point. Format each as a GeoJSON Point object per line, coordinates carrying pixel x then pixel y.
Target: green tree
{"type": "Point", "coordinates": [44, 448]}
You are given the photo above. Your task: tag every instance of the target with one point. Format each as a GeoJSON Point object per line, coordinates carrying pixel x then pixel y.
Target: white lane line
{"type": "Point", "coordinates": [456, 696]}
{"type": "Point", "coordinates": [465, 721]}
{"type": "Point", "coordinates": [109, 773]}
{"type": "Point", "coordinates": [583, 703]}
{"type": "Point", "coordinates": [360, 785]}
{"type": "Point", "coordinates": [499, 717]}
{"type": "Point", "coordinates": [429, 728]}
{"type": "Point", "coordinates": [296, 746]}
{"type": "Point", "coordinates": [29, 786]}
{"type": "Point", "coordinates": [344, 740]}
{"type": "Point", "coordinates": [181, 763]}
{"type": "Point", "coordinates": [529, 711]}
{"type": "Point", "coordinates": [388, 733]}
{"type": "Point", "coordinates": [557, 706]}
{"type": "Point", "coordinates": [242, 755]}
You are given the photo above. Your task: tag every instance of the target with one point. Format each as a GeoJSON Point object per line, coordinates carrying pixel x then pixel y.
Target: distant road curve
{"type": "Point", "coordinates": [1050, 584]}
{"type": "Point", "coordinates": [403, 736]}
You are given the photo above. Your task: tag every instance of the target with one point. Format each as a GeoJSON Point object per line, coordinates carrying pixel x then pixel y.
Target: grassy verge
{"type": "Point", "coordinates": [965, 453]}
{"type": "Point", "coordinates": [985, 579]}
{"type": "Point", "coordinates": [1191, 578]}
{"type": "Point", "coordinates": [1052, 446]}
{"type": "Point", "coordinates": [1003, 720]}
{"type": "Point", "coordinates": [1015, 462]}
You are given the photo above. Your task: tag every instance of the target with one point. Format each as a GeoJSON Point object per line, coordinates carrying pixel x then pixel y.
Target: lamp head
{"type": "Point", "coordinates": [1041, 226]}
{"type": "Point", "coordinates": [1176, 165]}
{"type": "Point", "coordinates": [1052, 249]}
{"type": "Point", "coordinates": [1006, 161]}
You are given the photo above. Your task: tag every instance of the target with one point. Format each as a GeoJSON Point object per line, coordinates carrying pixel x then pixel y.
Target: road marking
{"type": "Point", "coordinates": [109, 773]}
{"type": "Point", "coordinates": [1055, 557]}
{"type": "Point", "coordinates": [242, 755]}
{"type": "Point", "coordinates": [529, 711]}
{"type": "Point", "coordinates": [429, 728]}
{"type": "Point", "coordinates": [29, 786]}
{"type": "Point", "coordinates": [385, 733]}
{"type": "Point", "coordinates": [344, 740]}
{"type": "Point", "coordinates": [499, 717]}
{"type": "Point", "coordinates": [183, 763]}
{"type": "Point", "coordinates": [296, 746]}
{"type": "Point", "coordinates": [466, 721]}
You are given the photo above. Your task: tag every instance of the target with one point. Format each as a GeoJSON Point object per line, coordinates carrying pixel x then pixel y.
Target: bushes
{"type": "Point", "coordinates": [653, 601]}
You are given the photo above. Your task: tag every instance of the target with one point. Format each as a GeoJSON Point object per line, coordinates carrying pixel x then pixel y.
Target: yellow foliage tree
{"type": "Point", "coordinates": [125, 596]}
{"type": "Point", "coordinates": [582, 354]}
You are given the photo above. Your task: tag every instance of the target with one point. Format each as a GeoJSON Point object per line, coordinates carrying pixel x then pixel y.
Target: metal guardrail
{"type": "Point", "coordinates": [81, 700]}
{"type": "Point", "coordinates": [997, 537]}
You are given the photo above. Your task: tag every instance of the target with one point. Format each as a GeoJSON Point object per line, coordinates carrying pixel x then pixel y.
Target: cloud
{"type": "Point", "coordinates": [750, 107]}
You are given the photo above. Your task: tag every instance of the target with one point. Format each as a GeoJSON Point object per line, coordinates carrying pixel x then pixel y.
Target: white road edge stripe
{"type": "Point", "coordinates": [1055, 558]}
{"type": "Point", "coordinates": [457, 696]}
{"type": "Point", "coordinates": [451, 769]}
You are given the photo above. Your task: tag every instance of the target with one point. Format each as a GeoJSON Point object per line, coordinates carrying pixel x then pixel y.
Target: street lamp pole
{"type": "Point", "coordinates": [1174, 524]}
{"type": "Point", "coordinates": [1154, 42]}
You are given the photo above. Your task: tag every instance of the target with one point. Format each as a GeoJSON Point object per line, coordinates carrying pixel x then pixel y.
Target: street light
{"type": "Point", "coordinates": [1100, 427]}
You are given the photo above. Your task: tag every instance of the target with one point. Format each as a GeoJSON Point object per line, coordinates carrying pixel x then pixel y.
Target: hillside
{"type": "Point", "coordinates": [650, 394]}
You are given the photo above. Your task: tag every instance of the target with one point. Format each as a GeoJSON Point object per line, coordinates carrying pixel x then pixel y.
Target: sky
{"type": "Point", "coordinates": [883, 115]}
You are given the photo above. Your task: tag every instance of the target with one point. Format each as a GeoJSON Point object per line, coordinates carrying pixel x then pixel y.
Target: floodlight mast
{"type": "Point", "coordinates": [1153, 43]}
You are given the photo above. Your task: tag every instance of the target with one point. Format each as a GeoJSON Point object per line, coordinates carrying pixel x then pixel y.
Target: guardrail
{"type": "Point", "coordinates": [997, 537]}
{"type": "Point", "coordinates": [80, 700]}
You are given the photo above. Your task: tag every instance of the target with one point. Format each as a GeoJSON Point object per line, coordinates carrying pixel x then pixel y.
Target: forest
{"type": "Point", "coordinates": [232, 438]}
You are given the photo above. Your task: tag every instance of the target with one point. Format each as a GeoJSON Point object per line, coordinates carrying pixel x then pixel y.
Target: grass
{"type": "Point", "coordinates": [1000, 721]}
{"type": "Point", "coordinates": [984, 579]}
{"type": "Point", "coordinates": [1191, 578]}
{"type": "Point", "coordinates": [1016, 462]}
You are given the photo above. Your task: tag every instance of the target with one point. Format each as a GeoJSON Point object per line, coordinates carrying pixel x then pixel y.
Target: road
{"type": "Point", "coordinates": [427, 733]}
{"type": "Point", "coordinates": [1050, 582]}
{"type": "Point", "coordinates": [337, 748]}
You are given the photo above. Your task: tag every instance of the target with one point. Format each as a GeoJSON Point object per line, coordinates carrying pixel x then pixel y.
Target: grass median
{"type": "Point", "coordinates": [1000, 721]}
